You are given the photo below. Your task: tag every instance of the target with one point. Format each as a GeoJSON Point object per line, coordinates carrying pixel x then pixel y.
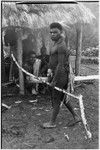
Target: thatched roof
{"type": "Point", "coordinates": [41, 15]}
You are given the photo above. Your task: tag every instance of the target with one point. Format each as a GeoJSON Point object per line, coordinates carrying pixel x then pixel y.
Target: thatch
{"type": "Point", "coordinates": [41, 15]}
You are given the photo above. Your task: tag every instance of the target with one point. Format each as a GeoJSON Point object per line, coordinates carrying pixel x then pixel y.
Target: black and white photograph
{"type": "Point", "coordinates": [49, 74]}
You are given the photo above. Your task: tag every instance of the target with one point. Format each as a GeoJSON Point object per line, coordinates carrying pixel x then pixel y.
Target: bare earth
{"type": "Point", "coordinates": [21, 125]}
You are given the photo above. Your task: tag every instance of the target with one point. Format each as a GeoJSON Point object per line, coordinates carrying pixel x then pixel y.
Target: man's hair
{"type": "Point", "coordinates": [56, 25]}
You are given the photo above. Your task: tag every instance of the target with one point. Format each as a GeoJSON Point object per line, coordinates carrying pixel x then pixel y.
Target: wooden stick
{"type": "Point", "coordinates": [8, 83]}
{"type": "Point", "coordinates": [89, 135]}
{"type": "Point", "coordinates": [6, 106]}
{"type": "Point", "coordinates": [82, 78]}
{"type": "Point", "coordinates": [69, 94]}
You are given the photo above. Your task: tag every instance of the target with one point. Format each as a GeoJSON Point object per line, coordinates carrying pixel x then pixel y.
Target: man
{"type": "Point", "coordinates": [59, 67]}
{"type": "Point", "coordinates": [28, 66]}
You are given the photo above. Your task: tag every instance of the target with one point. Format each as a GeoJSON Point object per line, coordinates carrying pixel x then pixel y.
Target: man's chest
{"type": "Point", "coordinates": [54, 49]}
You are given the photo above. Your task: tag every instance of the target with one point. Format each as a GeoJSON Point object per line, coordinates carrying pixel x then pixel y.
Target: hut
{"type": "Point", "coordinates": [37, 17]}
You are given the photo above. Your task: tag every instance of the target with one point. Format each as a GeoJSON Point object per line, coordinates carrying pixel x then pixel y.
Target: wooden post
{"type": "Point", "coordinates": [2, 65]}
{"type": "Point", "coordinates": [11, 65]}
{"type": "Point", "coordinates": [10, 72]}
{"type": "Point", "coordinates": [78, 50]}
{"type": "Point", "coordinates": [19, 56]}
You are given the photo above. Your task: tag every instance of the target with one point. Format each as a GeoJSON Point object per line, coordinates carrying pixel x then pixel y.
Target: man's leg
{"type": "Point", "coordinates": [56, 101]}
{"type": "Point", "coordinates": [55, 112]}
{"type": "Point", "coordinates": [74, 114]}
{"type": "Point", "coordinates": [70, 108]}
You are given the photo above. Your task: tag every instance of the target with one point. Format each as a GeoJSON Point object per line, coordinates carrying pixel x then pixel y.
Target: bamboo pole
{"type": "Point", "coordinates": [19, 56]}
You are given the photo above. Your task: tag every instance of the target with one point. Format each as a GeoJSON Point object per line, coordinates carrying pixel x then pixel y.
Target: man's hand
{"type": "Point", "coordinates": [52, 84]}
{"type": "Point", "coordinates": [49, 73]}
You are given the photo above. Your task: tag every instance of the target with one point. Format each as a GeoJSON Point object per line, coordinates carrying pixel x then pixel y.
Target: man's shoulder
{"type": "Point", "coordinates": [62, 43]}
{"type": "Point", "coordinates": [62, 46]}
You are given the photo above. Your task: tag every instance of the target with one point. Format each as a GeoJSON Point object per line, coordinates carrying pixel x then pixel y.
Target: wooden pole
{"type": "Point", "coordinates": [19, 56]}
{"type": "Point", "coordinates": [2, 65]}
{"type": "Point", "coordinates": [78, 50]}
{"type": "Point", "coordinates": [10, 72]}
{"type": "Point", "coordinates": [11, 65]}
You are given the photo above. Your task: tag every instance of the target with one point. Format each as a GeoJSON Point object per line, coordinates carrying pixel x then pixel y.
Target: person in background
{"type": "Point", "coordinates": [27, 45]}
{"type": "Point", "coordinates": [44, 61]}
{"type": "Point", "coordinates": [43, 68]}
{"type": "Point", "coordinates": [28, 66]}
{"type": "Point", "coordinates": [58, 68]}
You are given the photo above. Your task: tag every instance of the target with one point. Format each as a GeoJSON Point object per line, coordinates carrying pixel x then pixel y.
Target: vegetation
{"type": "Point", "coordinates": [90, 60]}
{"type": "Point", "coordinates": [91, 52]}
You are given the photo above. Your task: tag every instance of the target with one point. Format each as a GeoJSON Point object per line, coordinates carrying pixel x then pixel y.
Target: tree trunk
{"type": "Point", "coordinates": [20, 54]}
{"type": "Point", "coordinates": [78, 50]}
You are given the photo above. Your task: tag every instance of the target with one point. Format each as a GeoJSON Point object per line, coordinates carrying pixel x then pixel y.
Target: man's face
{"type": "Point", "coordinates": [55, 33]}
{"type": "Point", "coordinates": [32, 58]}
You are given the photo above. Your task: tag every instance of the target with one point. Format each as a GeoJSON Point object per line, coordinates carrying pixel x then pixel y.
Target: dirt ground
{"type": "Point", "coordinates": [21, 125]}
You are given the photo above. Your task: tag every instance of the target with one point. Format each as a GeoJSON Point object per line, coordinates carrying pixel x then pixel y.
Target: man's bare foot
{"type": "Point", "coordinates": [76, 120]}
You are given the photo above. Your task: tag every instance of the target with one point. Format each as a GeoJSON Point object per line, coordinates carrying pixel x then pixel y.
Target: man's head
{"type": "Point", "coordinates": [56, 31]}
{"type": "Point", "coordinates": [32, 57]}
